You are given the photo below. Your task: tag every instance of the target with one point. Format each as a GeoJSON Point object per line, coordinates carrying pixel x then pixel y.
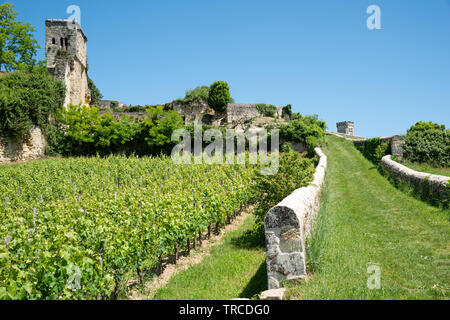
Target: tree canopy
{"type": "Point", "coordinates": [17, 44]}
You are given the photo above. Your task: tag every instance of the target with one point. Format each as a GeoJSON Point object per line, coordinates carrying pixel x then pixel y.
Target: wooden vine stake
{"type": "Point", "coordinates": [209, 231]}
{"type": "Point", "coordinates": [102, 244]}
{"type": "Point", "coordinates": [34, 219]}
{"type": "Point", "coordinates": [160, 265]}
{"type": "Point", "coordinates": [176, 252]}
{"type": "Point", "coordinates": [188, 245]}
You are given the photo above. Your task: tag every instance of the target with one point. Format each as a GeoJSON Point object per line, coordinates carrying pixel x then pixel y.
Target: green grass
{"type": "Point", "coordinates": [364, 220]}
{"type": "Point", "coordinates": [424, 167]}
{"type": "Point", "coordinates": [230, 271]}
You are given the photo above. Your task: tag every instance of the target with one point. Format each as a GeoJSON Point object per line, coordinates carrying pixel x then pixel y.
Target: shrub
{"type": "Point", "coordinates": [427, 142]}
{"type": "Point", "coordinates": [114, 105]}
{"type": "Point", "coordinates": [311, 143]}
{"type": "Point", "coordinates": [158, 127]}
{"type": "Point", "coordinates": [373, 149]}
{"type": "Point", "coordinates": [199, 93]}
{"type": "Point", "coordinates": [28, 99]}
{"type": "Point", "coordinates": [88, 132]}
{"type": "Point", "coordinates": [96, 95]}
{"type": "Point", "coordinates": [267, 110]}
{"type": "Point", "coordinates": [219, 96]}
{"type": "Point", "coordinates": [294, 172]}
{"type": "Point", "coordinates": [287, 111]}
{"type": "Point", "coordinates": [301, 128]}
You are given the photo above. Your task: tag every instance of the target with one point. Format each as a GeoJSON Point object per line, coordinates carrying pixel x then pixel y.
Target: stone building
{"type": "Point", "coordinates": [65, 48]}
{"type": "Point", "coordinates": [346, 127]}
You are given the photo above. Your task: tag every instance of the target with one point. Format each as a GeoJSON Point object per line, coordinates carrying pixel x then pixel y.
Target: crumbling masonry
{"type": "Point", "coordinates": [65, 48]}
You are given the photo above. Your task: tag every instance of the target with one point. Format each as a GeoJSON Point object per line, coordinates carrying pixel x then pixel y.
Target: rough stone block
{"type": "Point", "coordinates": [273, 294]}
{"type": "Point", "coordinates": [287, 225]}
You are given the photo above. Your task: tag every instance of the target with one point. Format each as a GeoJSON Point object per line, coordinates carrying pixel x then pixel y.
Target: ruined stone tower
{"type": "Point", "coordinates": [346, 127]}
{"type": "Point", "coordinates": [65, 48]}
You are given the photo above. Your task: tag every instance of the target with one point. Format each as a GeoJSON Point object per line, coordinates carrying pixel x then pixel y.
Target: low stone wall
{"type": "Point", "coordinates": [288, 224]}
{"type": "Point", "coordinates": [433, 185]}
{"type": "Point", "coordinates": [33, 148]}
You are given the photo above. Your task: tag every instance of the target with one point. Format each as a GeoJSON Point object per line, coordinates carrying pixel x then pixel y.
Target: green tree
{"type": "Point", "coordinates": [422, 126]}
{"type": "Point", "coordinates": [219, 96]}
{"type": "Point", "coordinates": [17, 44]}
{"type": "Point", "coordinates": [158, 128]}
{"type": "Point", "coordinates": [27, 99]}
{"type": "Point", "coordinates": [88, 132]}
{"type": "Point", "coordinates": [301, 128]}
{"type": "Point", "coordinates": [428, 142]}
{"type": "Point", "coordinates": [199, 93]}
{"type": "Point", "coordinates": [96, 95]}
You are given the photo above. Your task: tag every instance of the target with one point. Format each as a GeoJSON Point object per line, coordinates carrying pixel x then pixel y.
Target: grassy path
{"type": "Point", "coordinates": [365, 221]}
{"type": "Point", "coordinates": [230, 271]}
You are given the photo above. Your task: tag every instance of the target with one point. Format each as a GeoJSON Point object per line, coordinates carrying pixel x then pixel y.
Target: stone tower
{"type": "Point", "coordinates": [65, 48]}
{"type": "Point", "coordinates": [346, 127]}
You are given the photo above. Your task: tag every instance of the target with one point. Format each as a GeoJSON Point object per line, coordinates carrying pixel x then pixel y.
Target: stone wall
{"type": "Point", "coordinates": [235, 114]}
{"type": "Point", "coordinates": [397, 142]}
{"type": "Point", "coordinates": [286, 227]}
{"type": "Point", "coordinates": [32, 148]}
{"type": "Point", "coordinates": [431, 184]}
{"type": "Point", "coordinates": [241, 112]}
{"type": "Point", "coordinates": [193, 111]}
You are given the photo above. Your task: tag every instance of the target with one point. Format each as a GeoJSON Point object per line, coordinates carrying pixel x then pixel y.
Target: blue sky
{"type": "Point", "coordinates": [317, 55]}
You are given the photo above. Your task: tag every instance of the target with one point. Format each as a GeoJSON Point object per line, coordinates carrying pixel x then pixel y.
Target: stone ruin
{"type": "Point", "coordinates": [65, 49]}
{"type": "Point", "coordinates": [346, 127]}
{"type": "Point", "coordinates": [236, 115]}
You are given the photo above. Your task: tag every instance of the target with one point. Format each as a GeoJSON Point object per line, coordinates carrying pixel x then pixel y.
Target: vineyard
{"type": "Point", "coordinates": [73, 228]}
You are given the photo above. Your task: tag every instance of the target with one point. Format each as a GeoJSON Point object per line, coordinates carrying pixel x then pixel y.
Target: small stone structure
{"type": "Point", "coordinates": [65, 49]}
{"type": "Point", "coordinates": [433, 185]}
{"type": "Point", "coordinates": [397, 142]}
{"type": "Point", "coordinates": [32, 148]}
{"type": "Point", "coordinates": [346, 127]}
{"type": "Point", "coordinates": [108, 104]}
{"type": "Point", "coordinates": [286, 227]}
{"type": "Point", "coordinates": [196, 111]}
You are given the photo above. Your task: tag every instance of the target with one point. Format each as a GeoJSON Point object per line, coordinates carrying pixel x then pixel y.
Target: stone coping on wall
{"type": "Point", "coordinates": [434, 185]}
{"type": "Point", "coordinates": [288, 224]}
{"type": "Point", "coordinates": [342, 135]}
